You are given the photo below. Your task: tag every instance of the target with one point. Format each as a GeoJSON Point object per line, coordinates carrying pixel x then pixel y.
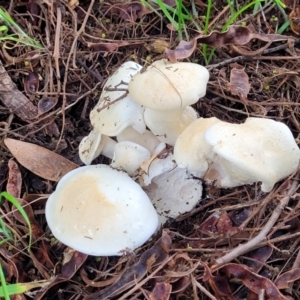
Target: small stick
{"type": "Point", "coordinates": [244, 248]}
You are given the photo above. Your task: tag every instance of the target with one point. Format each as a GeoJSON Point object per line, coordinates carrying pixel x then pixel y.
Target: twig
{"type": "Point", "coordinates": [141, 283]}
{"type": "Point", "coordinates": [95, 74]}
{"type": "Point", "coordinates": [72, 52]}
{"type": "Point", "coordinates": [203, 289]}
{"type": "Point", "coordinates": [56, 54]}
{"type": "Point", "coordinates": [243, 57]}
{"type": "Point", "coordinates": [244, 248]}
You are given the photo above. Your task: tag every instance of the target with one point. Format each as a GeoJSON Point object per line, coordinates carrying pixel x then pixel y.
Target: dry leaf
{"type": "Point", "coordinates": [253, 281]}
{"type": "Point", "coordinates": [31, 84]}
{"type": "Point", "coordinates": [239, 82]}
{"type": "Point", "coordinates": [218, 283]}
{"type": "Point", "coordinates": [283, 281]}
{"type": "Point", "coordinates": [46, 104]}
{"type": "Point", "coordinates": [14, 182]}
{"type": "Point", "coordinates": [153, 256]}
{"type": "Point", "coordinates": [235, 35]}
{"type": "Point", "coordinates": [294, 17]}
{"type": "Point", "coordinates": [39, 160]}
{"type": "Point", "coordinates": [161, 291]}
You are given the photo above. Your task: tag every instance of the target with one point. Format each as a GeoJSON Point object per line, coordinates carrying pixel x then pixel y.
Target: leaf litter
{"type": "Point", "coordinates": [239, 243]}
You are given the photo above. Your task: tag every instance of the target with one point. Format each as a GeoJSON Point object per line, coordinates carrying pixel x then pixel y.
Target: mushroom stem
{"type": "Point", "coordinates": [168, 125]}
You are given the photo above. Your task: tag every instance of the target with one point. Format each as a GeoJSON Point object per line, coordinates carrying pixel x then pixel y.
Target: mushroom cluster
{"type": "Point", "coordinates": [159, 148]}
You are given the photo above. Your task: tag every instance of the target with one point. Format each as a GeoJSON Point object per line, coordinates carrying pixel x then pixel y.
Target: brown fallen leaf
{"type": "Point", "coordinates": [161, 291]}
{"type": "Point", "coordinates": [68, 270]}
{"type": "Point", "coordinates": [153, 256]}
{"type": "Point", "coordinates": [235, 35]}
{"type": "Point", "coordinates": [239, 82]}
{"type": "Point", "coordinates": [40, 161]}
{"type": "Point", "coordinates": [14, 181]}
{"type": "Point", "coordinates": [253, 281]}
{"type": "Point", "coordinates": [283, 281]}
{"type": "Point", "coordinates": [218, 283]}
{"type": "Point", "coordinates": [258, 257]}
{"type": "Point", "coordinates": [294, 18]}
{"type": "Point", "coordinates": [46, 104]}
{"type": "Point", "coordinates": [31, 84]}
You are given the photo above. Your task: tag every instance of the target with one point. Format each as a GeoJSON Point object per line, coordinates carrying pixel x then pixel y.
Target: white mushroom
{"type": "Point", "coordinates": [169, 86]}
{"type": "Point", "coordinates": [128, 156]}
{"type": "Point", "coordinates": [147, 139]}
{"type": "Point", "coordinates": [100, 211]}
{"type": "Point", "coordinates": [173, 191]}
{"type": "Point", "coordinates": [166, 90]}
{"type": "Point", "coordinates": [112, 119]}
{"type": "Point", "coordinates": [257, 150]}
{"type": "Point", "coordinates": [95, 144]}
{"type": "Point", "coordinates": [167, 125]}
{"type": "Point", "coordinates": [190, 150]}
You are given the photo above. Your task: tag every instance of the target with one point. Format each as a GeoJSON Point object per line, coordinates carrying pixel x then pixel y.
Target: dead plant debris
{"type": "Point", "coordinates": [237, 243]}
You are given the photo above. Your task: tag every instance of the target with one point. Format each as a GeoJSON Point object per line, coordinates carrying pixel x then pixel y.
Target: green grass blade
{"type": "Point", "coordinates": [18, 206]}
{"type": "Point", "coordinates": [4, 286]}
{"type": "Point", "coordinates": [7, 20]}
{"type": "Point", "coordinates": [20, 288]}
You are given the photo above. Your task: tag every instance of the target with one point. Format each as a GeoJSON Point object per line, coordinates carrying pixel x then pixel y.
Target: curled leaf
{"type": "Point", "coordinates": [294, 17]}
{"type": "Point", "coordinates": [46, 104]}
{"type": "Point", "coordinates": [283, 281]}
{"type": "Point", "coordinates": [161, 291]}
{"type": "Point", "coordinates": [239, 82]}
{"type": "Point", "coordinates": [253, 281]}
{"type": "Point", "coordinates": [14, 182]}
{"type": "Point", "coordinates": [235, 35]}
{"type": "Point", "coordinates": [153, 256]}
{"type": "Point", "coordinates": [31, 85]}
{"type": "Point", "coordinates": [218, 283]}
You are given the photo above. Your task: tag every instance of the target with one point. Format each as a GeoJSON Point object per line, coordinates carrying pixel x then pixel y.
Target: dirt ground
{"type": "Point", "coordinates": [46, 96]}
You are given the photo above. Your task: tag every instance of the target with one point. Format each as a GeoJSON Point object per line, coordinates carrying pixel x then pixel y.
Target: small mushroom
{"type": "Point", "coordinates": [100, 211]}
{"type": "Point", "coordinates": [128, 156]}
{"type": "Point", "coordinates": [258, 150]}
{"type": "Point", "coordinates": [147, 139]}
{"type": "Point", "coordinates": [116, 110]}
{"type": "Point", "coordinates": [95, 144]}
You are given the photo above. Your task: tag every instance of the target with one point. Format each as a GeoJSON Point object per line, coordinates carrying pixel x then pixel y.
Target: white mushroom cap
{"type": "Point", "coordinates": [125, 112]}
{"type": "Point", "coordinates": [93, 145]}
{"type": "Point", "coordinates": [173, 192]}
{"type": "Point", "coordinates": [168, 125]}
{"type": "Point", "coordinates": [128, 156]}
{"type": "Point", "coordinates": [190, 150]}
{"type": "Point", "coordinates": [147, 139]}
{"type": "Point", "coordinates": [100, 211]}
{"type": "Point", "coordinates": [168, 86]}
{"type": "Point", "coordinates": [257, 150]}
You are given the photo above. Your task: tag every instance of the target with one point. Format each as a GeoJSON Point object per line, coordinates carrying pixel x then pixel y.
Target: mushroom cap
{"type": "Point", "coordinates": [100, 211]}
{"type": "Point", "coordinates": [125, 112]}
{"type": "Point", "coordinates": [257, 150]}
{"type": "Point", "coordinates": [128, 156]}
{"type": "Point", "coordinates": [93, 145]}
{"type": "Point", "coordinates": [191, 150]}
{"type": "Point", "coordinates": [147, 139]}
{"type": "Point", "coordinates": [174, 191]}
{"type": "Point", "coordinates": [168, 125]}
{"type": "Point", "coordinates": [168, 86]}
